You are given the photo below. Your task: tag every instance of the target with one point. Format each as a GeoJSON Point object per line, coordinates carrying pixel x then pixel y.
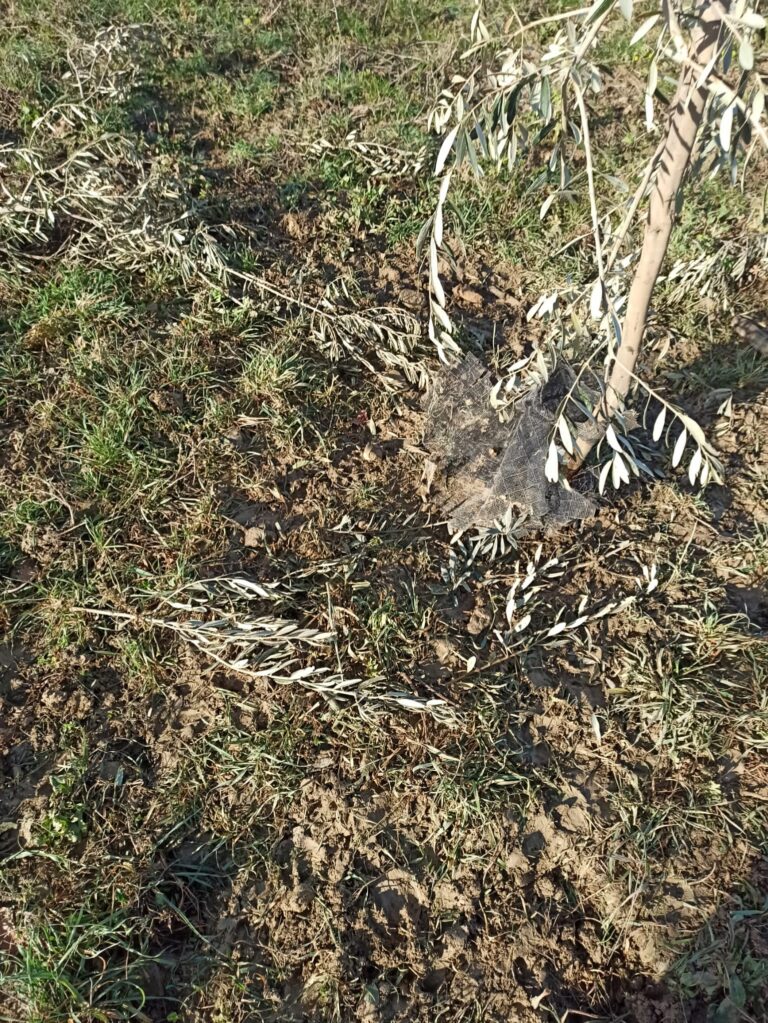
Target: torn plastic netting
{"type": "Point", "coordinates": [481, 466]}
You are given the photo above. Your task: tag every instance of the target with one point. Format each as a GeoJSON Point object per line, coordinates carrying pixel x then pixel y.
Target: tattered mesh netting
{"type": "Point", "coordinates": [483, 466]}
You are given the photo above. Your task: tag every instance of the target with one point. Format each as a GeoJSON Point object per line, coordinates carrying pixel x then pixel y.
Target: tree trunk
{"type": "Point", "coordinates": [683, 124]}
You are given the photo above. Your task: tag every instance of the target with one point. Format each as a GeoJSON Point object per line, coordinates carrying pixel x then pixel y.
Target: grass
{"type": "Point", "coordinates": [71, 969]}
{"type": "Point", "coordinates": [472, 835]}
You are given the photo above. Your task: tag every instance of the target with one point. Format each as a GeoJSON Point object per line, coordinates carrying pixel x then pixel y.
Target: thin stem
{"type": "Point", "coordinates": [590, 176]}
{"type": "Point", "coordinates": [522, 29]}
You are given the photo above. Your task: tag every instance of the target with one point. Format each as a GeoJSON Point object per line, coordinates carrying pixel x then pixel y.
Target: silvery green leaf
{"type": "Point", "coordinates": [613, 440]}
{"type": "Point", "coordinates": [551, 468]}
{"type": "Point", "coordinates": [752, 19]}
{"type": "Point", "coordinates": [578, 622]}
{"type": "Point", "coordinates": [616, 329]}
{"type": "Point", "coordinates": [546, 205]}
{"type": "Point", "coordinates": [423, 235]}
{"type": "Point", "coordinates": [726, 124]}
{"type": "Point", "coordinates": [461, 149]}
{"type": "Point", "coordinates": [653, 78]}
{"type": "Point", "coordinates": [512, 150]}
{"type": "Point", "coordinates": [519, 364]}
{"type": "Point", "coordinates": [603, 477]}
{"type": "Point", "coordinates": [704, 478]}
{"type": "Point", "coordinates": [445, 149]}
{"type": "Point", "coordinates": [596, 727]}
{"type": "Point", "coordinates": [695, 431]}
{"type": "Point", "coordinates": [738, 991]}
{"type": "Point", "coordinates": [474, 23]}
{"type": "Point", "coordinates": [565, 435]}
{"type": "Point", "coordinates": [658, 425]}
{"type": "Point", "coordinates": [545, 101]}
{"type": "Point", "coordinates": [609, 608]}
{"type": "Point", "coordinates": [434, 275]}
{"type": "Point", "coordinates": [441, 316]}
{"type": "Point", "coordinates": [522, 624]}
{"type": "Point", "coordinates": [726, 408]}
{"type": "Point", "coordinates": [557, 629]}
{"type": "Point", "coordinates": [695, 466]}
{"type": "Point", "coordinates": [625, 6]}
{"type": "Point", "coordinates": [758, 104]}
{"type": "Point", "coordinates": [618, 183]}
{"type": "Point", "coordinates": [437, 230]}
{"type": "Point", "coordinates": [471, 153]}
{"type": "Point", "coordinates": [746, 55]}
{"type": "Point", "coordinates": [619, 472]}
{"type": "Point", "coordinates": [677, 454]}
{"type": "Point", "coordinates": [598, 8]}
{"type": "Point", "coordinates": [644, 29]}
{"type": "Point", "coordinates": [706, 71]}
{"type": "Point", "coordinates": [596, 300]}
